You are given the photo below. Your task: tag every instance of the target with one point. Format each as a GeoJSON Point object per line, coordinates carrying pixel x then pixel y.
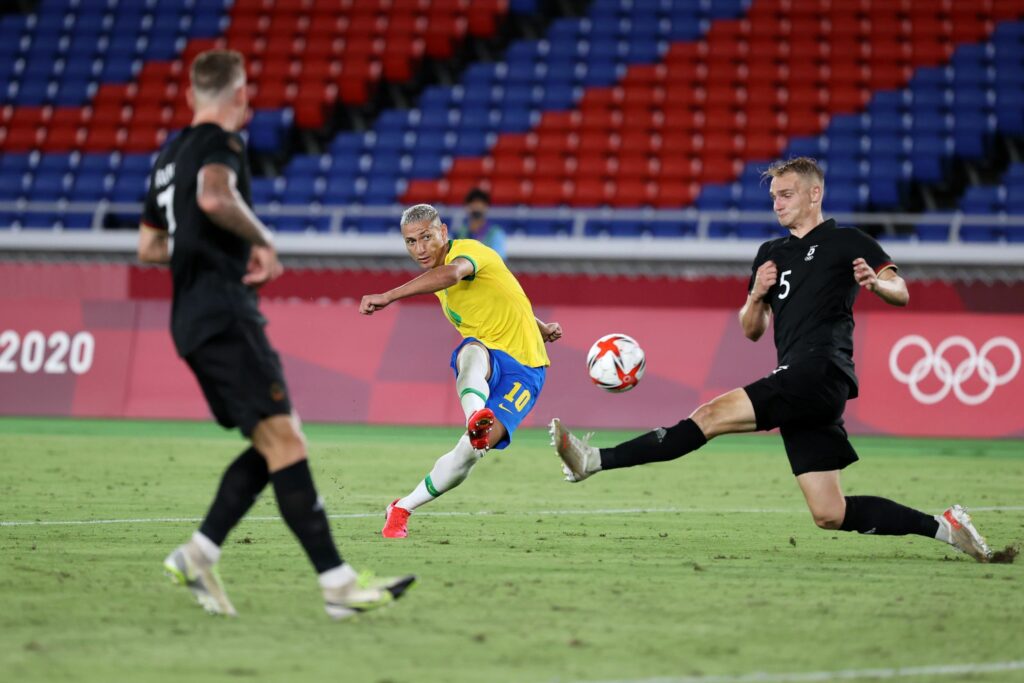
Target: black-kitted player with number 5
{"type": "Point", "coordinates": [807, 282]}
{"type": "Point", "coordinates": [199, 196]}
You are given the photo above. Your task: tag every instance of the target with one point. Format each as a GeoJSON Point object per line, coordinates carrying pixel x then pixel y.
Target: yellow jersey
{"type": "Point", "coordinates": [490, 305]}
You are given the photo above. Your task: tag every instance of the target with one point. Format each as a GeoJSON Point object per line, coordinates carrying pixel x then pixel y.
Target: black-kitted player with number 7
{"type": "Point", "coordinates": [199, 197]}
{"type": "Point", "coordinates": [807, 282]}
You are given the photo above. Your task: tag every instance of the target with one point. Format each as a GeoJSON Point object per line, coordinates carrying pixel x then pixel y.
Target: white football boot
{"type": "Point", "coordinates": [579, 458]}
{"type": "Point", "coordinates": [962, 534]}
{"type": "Point", "coordinates": [187, 567]}
{"type": "Point", "coordinates": [363, 594]}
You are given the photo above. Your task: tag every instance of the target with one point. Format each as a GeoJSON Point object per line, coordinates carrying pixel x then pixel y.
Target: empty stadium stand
{"type": "Point", "coordinates": [661, 104]}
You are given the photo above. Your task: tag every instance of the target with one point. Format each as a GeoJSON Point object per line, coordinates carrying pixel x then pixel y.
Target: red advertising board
{"type": "Point", "coordinates": [921, 373]}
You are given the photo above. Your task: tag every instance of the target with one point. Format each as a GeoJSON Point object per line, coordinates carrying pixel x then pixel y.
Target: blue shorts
{"type": "Point", "coordinates": [514, 388]}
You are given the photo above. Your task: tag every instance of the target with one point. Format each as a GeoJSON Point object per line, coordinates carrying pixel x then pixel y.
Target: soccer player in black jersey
{"type": "Point", "coordinates": [807, 282]}
{"type": "Point", "coordinates": [199, 199]}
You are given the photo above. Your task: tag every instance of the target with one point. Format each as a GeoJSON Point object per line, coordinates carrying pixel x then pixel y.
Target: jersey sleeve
{"type": "Point", "coordinates": [224, 148]}
{"type": "Point", "coordinates": [475, 252]}
{"type": "Point", "coordinates": [152, 216]}
{"type": "Point", "coordinates": [762, 256]}
{"type": "Point", "coordinates": [866, 247]}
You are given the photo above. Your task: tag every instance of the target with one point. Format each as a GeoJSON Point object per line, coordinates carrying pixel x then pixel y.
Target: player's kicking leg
{"type": "Point", "coordinates": [883, 517]}
{"type": "Point", "coordinates": [729, 413]}
{"type": "Point", "coordinates": [473, 365]}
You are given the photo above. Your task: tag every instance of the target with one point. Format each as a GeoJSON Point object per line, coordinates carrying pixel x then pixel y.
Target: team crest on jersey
{"type": "Point", "coordinates": [810, 253]}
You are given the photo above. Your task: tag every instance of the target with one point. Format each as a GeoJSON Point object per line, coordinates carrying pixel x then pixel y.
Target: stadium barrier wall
{"type": "Point", "coordinates": [921, 373]}
{"type": "Point", "coordinates": [86, 280]}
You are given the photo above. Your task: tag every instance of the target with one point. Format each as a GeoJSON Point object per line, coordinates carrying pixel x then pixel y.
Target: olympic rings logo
{"type": "Point", "coordinates": [953, 378]}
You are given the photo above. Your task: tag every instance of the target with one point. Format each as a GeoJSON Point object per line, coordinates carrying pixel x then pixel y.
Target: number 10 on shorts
{"type": "Point", "coordinates": [522, 399]}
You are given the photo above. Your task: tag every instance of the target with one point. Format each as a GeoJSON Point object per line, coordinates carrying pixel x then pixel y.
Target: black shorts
{"type": "Point", "coordinates": [241, 376]}
{"type": "Point", "coordinates": [805, 401]}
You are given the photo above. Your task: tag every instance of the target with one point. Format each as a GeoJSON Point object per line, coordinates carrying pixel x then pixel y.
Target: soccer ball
{"type": "Point", "coordinates": [616, 363]}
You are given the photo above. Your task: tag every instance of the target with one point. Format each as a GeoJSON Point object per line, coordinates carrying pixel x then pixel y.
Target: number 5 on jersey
{"type": "Point", "coordinates": [784, 284]}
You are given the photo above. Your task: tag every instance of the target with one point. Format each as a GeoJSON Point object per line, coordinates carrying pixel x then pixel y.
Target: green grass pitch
{"type": "Point", "coordinates": [707, 566]}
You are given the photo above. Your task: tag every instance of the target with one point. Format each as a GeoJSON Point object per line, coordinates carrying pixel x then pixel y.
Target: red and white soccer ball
{"type": "Point", "coordinates": [616, 363]}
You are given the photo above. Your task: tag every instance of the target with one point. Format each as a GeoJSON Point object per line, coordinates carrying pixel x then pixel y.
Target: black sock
{"type": "Point", "coordinates": [657, 446]}
{"type": "Point", "coordinates": [884, 517]}
{"type": "Point", "coordinates": [241, 484]}
{"type": "Point", "coordinates": [303, 512]}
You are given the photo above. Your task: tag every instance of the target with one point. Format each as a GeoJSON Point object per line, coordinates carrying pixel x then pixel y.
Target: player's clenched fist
{"type": "Point", "coordinates": [373, 302]}
{"type": "Point", "coordinates": [864, 274]}
{"type": "Point", "coordinates": [767, 276]}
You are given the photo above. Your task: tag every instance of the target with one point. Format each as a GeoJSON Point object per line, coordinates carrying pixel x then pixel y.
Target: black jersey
{"type": "Point", "coordinates": [812, 300]}
{"type": "Point", "coordinates": [207, 262]}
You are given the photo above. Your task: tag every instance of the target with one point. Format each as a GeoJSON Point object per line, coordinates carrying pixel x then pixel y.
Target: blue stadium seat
{"type": "Point", "coordinates": [88, 187]}
{"type": "Point", "coordinates": [75, 220]}
{"type": "Point", "coordinates": [268, 128]}
{"type": "Point", "coordinates": [46, 187]}
{"type": "Point", "coordinates": [128, 188]}
{"type": "Point", "coordinates": [983, 199]}
{"type": "Point", "coordinates": [301, 190]}
{"type": "Point", "coordinates": [370, 225]}
{"type": "Point", "coordinates": [716, 197]}
{"type": "Point", "coordinates": [342, 190]}
{"type": "Point", "coordinates": [264, 190]}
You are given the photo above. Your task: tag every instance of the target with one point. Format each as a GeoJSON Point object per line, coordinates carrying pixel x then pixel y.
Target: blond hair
{"type": "Point", "coordinates": [420, 212]}
{"type": "Point", "coordinates": [805, 167]}
{"type": "Point", "coordinates": [215, 72]}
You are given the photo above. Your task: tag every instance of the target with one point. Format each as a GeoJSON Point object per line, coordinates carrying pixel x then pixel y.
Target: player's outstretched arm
{"type": "Point", "coordinates": [756, 312]}
{"type": "Point", "coordinates": [434, 280]}
{"type": "Point", "coordinates": [153, 245]}
{"type": "Point", "coordinates": [217, 195]}
{"type": "Point", "coordinates": [550, 332]}
{"type": "Point", "coordinates": [888, 285]}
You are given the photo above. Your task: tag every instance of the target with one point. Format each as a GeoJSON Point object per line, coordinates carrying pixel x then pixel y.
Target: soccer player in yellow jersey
{"type": "Point", "coordinates": [500, 364]}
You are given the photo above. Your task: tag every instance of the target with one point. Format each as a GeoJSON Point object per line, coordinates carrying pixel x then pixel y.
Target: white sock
{"type": "Point", "coordinates": [473, 363]}
{"type": "Point", "coordinates": [339, 576]}
{"type": "Point", "coordinates": [943, 534]}
{"type": "Point", "coordinates": [450, 470]}
{"type": "Point", "coordinates": [207, 548]}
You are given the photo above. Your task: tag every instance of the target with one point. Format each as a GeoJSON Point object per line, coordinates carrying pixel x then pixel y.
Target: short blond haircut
{"type": "Point", "coordinates": [805, 167]}
{"type": "Point", "coordinates": [215, 72]}
{"type": "Point", "coordinates": [421, 212]}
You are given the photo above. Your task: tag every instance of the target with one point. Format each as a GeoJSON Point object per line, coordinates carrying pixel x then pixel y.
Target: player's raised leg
{"type": "Point", "coordinates": [729, 413]}
{"type": "Point", "coordinates": [883, 517]}
{"type": "Point", "coordinates": [473, 367]}
{"type": "Point", "coordinates": [281, 440]}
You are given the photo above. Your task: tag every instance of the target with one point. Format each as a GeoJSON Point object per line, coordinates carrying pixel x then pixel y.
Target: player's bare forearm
{"type": "Point", "coordinates": [892, 290]}
{"type": "Point", "coordinates": [890, 287]}
{"type": "Point", "coordinates": [235, 216]}
{"type": "Point", "coordinates": [218, 197]}
{"type": "Point", "coordinates": [153, 246]}
{"type": "Point", "coordinates": [754, 317]}
{"type": "Point", "coordinates": [434, 280]}
{"type": "Point", "coordinates": [756, 312]}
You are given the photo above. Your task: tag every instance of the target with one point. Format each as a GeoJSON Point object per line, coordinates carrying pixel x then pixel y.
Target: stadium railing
{"type": "Point", "coordinates": [577, 241]}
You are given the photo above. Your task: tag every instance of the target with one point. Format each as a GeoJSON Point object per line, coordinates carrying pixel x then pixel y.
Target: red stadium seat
{"type": "Point", "coordinates": [103, 138]}
{"type": "Point", "coordinates": [420, 191]}
{"type": "Point", "coordinates": [630, 193]}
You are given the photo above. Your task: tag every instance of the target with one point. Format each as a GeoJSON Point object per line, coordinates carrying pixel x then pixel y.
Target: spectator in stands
{"type": "Point", "coordinates": [477, 226]}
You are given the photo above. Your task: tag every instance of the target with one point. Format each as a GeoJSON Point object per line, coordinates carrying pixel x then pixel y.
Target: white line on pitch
{"type": "Point", "coordinates": [528, 513]}
{"type": "Point", "coordinates": [840, 675]}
